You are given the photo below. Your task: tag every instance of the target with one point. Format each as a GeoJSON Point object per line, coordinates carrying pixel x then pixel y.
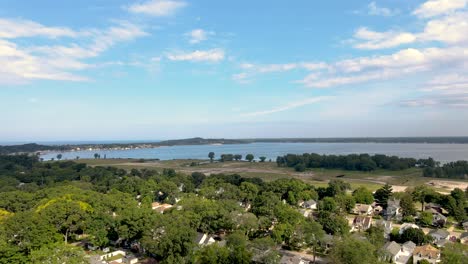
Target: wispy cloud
{"type": "Point", "coordinates": [157, 7]}
{"type": "Point", "coordinates": [374, 10]}
{"type": "Point", "coordinates": [213, 55]}
{"type": "Point", "coordinates": [250, 70]}
{"type": "Point", "coordinates": [21, 28]}
{"type": "Point", "coordinates": [380, 40]}
{"type": "Point", "coordinates": [198, 35]}
{"type": "Point", "coordinates": [289, 106]}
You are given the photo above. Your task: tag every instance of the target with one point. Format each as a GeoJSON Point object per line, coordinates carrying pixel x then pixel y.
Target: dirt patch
{"type": "Point", "coordinates": [447, 185]}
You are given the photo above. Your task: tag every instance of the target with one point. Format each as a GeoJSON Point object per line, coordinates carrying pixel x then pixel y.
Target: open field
{"type": "Point", "coordinates": [269, 171]}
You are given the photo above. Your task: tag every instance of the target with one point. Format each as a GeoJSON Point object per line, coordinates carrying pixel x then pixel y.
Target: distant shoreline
{"type": "Point", "coordinates": [34, 148]}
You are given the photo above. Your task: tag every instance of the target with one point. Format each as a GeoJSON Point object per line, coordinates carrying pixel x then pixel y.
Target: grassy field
{"type": "Point", "coordinates": [268, 171]}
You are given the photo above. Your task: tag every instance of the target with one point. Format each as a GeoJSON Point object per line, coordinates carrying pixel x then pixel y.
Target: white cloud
{"type": "Point", "coordinates": [157, 7]}
{"type": "Point", "coordinates": [289, 106]}
{"type": "Point", "coordinates": [20, 28]}
{"type": "Point", "coordinates": [450, 29]}
{"type": "Point", "coordinates": [213, 55]}
{"type": "Point", "coordinates": [439, 7]}
{"type": "Point", "coordinates": [375, 10]}
{"type": "Point", "coordinates": [403, 62]}
{"type": "Point", "coordinates": [198, 35]}
{"type": "Point", "coordinates": [57, 62]}
{"type": "Point", "coordinates": [380, 40]}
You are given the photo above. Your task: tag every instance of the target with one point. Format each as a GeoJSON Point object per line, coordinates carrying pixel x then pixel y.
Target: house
{"type": "Point", "coordinates": [464, 238]}
{"type": "Point", "coordinates": [438, 219]}
{"type": "Point", "coordinates": [378, 209]}
{"type": "Point", "coordinates": [439, 234]}
{"type": "Point", "coordinates": [393, 210]}
{"type": "Point", "coordinates": [362, 209]}
{"type": "Point", "coordinates": [426, 252]}
{"type": "Point", "coordinates": [130, 259]}
{"type": "Point", "coordinates": [390, 251]}
{"type": "Point", "coordinates": [361, 223]}
{"type": "Point", "coordinates": [405, 226]}
{"type": "Point", "coordinates": [405, 253]}
{"type": "Point", "coordinates": [310, 204]}
{"type": "Point", "coordinates": [305, 212]}
{"type": "Point", "coordinates": [435, 208]}
{"type": "Point", "coordinates": [160, 207]}
{"type": "Point", "coordinates": [387, 226]}
{"type": "Point", "coordinates": [393, 252]}
{"type": "Point", "coordinates": [465, 225]}
{"type": "Point", "coordinates": [204, 239]}
{"type": "Point", "coordinates": [245, 205]}
{"type": "Point", "coordinates": [114, 256]}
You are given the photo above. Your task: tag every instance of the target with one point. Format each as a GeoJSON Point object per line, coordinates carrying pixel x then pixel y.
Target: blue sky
{"type": "Point", "coordinates": [159, 69]}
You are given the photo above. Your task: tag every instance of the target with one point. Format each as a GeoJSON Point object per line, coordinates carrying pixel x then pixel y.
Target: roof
{"type": "Point", "coordinates": [393, 203]}
{"type": "Point", "coordinates": [363, 207]}
{"type": "Point", "coordinates": [464, 235]}
{"type": "Point", "coordinates": [441, 242]}
{"type": "Point", "coordinates": [427, 251]}
{"type": "Point", "coordinates": [439, 232]}
{"type": "Point", "coordinates": [392, 247]}
{"type": "Point", "coordinates": [363, 220]}
{"type": "Point", "coordinates": [409, 246]}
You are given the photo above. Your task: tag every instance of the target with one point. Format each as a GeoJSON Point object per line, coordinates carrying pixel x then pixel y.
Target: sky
{"type": "Point", "coordinates": [166, 69]}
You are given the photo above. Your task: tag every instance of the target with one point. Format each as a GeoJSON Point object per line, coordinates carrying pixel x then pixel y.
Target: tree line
{"type": "Point", "coordinates": [357, 162]}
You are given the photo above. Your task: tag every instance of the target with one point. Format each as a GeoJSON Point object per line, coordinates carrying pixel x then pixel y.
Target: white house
{"type": "Point", "coordinates": [310, 204]}
{"type": "Point", "coordinates": [396, 253]}
{"type": "Point", "coordinates": [405, 226]}
{"type": "Point", "coordinates": [204, 239]}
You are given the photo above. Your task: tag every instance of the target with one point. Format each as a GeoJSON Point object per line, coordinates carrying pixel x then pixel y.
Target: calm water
{"type": "Point", "coordinates": [440, 152]}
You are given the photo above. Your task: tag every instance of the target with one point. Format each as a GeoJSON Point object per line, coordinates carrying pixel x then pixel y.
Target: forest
{"type": "Point", "coordinates": [50, 212]}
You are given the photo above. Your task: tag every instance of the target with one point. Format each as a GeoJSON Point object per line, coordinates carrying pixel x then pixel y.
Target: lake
{"type": "Point", "coordinates": [440, 152]}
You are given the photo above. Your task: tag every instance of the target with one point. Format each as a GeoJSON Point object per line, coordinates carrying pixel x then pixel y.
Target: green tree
{"type": "Point", "coordinates": [249, 157]}
{"type": "Point", "coordinates": [337, 187]}
{"type": "Point", "coordinates": [211, 155]}
{"type": "Point", "coordinates": [328, 204]}
{"type": "Point", "coordinates": [248, 191]}
{"type": "Point", "coordinates": [333, 223]}
{"type": "Point", "coordinates": [171, 240]}
{"type": "Point", "coordinates": [346, 202]}
{"type": "Point", "coordinates": [59, 254]}
{"type": "Point", "coordinates": [59, 156]}
{"type": "Point", "coordinates": [238, 245]}
{"type": "Point", "coordinates": [212, 254]}
{"type": "Point", "coordinates": [65, 214]}
{"type": "Point", "coordinates": [407, 204]}
{"type": "Point", "coordinates": [416, 235]}
{"type": "Point", "coordinates": [300, 167]}
{"type": "Point", "coordinates": [419, 194]}
{"type": "Point", "coordinates": [382, 194]}
{"type": "Point", "coordinates": [352, 250]}
{"type": "Point", "coordinates": [375, 235]}
{"type": "Point", "coordinates": [262, 159]}
{"type": "Point", "coordinates": [454, 253]}
{"type": "Point", "coordinates": [425, 218]}
{"type": "Point", "coordinates": [363, 195]}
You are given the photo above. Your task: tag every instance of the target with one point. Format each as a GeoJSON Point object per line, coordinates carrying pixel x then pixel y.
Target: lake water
{"type": "Point", "coordinates": [440, 152]}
